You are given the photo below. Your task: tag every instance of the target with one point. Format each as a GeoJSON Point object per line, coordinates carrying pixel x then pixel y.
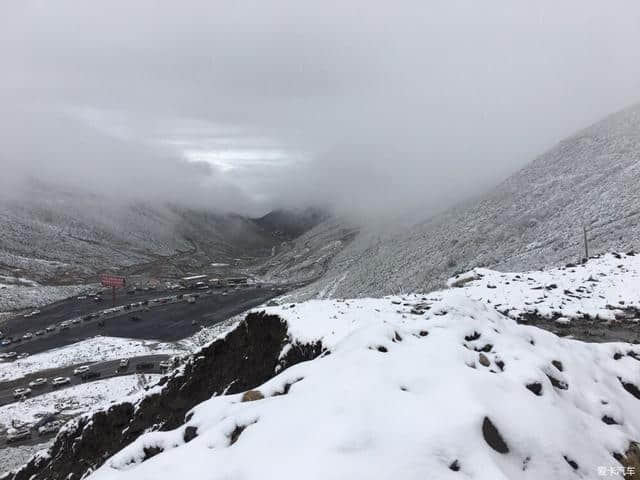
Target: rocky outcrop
{"type": "Point", "coordinates": [245, 358]}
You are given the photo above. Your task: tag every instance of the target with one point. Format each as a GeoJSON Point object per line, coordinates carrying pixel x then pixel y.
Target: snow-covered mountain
{"type": "Point", "coordinates": [533, 219]}
{"type": "Point", "coordinates": [61, 236]}
{"type": "Point", "coordinates": [440, 385]}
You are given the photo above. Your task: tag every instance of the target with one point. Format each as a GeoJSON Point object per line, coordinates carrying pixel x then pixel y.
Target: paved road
{"type": "Point", "coordinates": [72, 307]}
{"type": "Point", "coordinates": [105, 369]}
{"type": "Point", "coordinates": [163, 322]}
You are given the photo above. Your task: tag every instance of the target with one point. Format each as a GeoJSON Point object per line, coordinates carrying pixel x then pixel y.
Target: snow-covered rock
{"type": "Point", "coordinates": [404, 394]}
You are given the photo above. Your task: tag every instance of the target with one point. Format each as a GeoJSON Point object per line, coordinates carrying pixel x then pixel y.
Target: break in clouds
{"type": "Point", "coordinates": [245, 106]}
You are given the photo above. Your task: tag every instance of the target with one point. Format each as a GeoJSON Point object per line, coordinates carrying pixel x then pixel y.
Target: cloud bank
{"type": "Point", "coordinates": [361, 106]}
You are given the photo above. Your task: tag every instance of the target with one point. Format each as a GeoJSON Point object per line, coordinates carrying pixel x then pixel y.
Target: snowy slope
{"type": "Point", "coordinates": [420, 386]}
{"type": "Point", "coordinates": [65, 236]}
{"type": "Point", "coordinates": [604, 288]}
{"type": "Point", "coordinates": [532, 220]}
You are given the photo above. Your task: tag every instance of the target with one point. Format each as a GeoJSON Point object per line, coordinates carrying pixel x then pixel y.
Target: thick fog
{"type": "Point", "coordinates": [358, 105]}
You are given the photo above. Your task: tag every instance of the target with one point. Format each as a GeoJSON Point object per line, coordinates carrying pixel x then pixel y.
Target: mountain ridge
{"type": "Point", "coordinates": [531, 220]}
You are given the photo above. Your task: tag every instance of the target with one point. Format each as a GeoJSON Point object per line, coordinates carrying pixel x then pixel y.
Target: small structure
{"type": "Point", "coordinates": [192, 280]}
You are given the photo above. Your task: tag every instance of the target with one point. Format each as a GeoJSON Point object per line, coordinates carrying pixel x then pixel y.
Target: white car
{"type": "Point", "coordinates": [22, 355]}
{"type": "Point", "coordinates": [21, 392]}
{"type": "Point", "coordinates": [165, 365]}
{"type": "Point", "coordinates": [56, 382]}
{"type": "Point", "coordinates": [81, 370]}
{"type": "Point", "coordinates": [11, 355]}
{"type": "Point", "coordinates": [38, 382]}
{"type": "Point", "coordinates": [50, 428]}
{"type": "Point", "coordinates": [27, 336]}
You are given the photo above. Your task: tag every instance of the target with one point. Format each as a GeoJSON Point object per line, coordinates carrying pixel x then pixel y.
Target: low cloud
{"type": "Point", "coordinates": [365, 107]}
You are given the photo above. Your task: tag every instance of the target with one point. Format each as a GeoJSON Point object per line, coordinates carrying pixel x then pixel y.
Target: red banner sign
{"type": "Point", "coordinates": [112, 281]}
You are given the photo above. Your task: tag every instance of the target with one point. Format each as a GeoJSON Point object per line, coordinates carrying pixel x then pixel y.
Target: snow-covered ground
{"type": "Point", "coordinates": [75, 400]}
{"type": "Point", "coordinates": [97, 349]}
{"type": "Point", "coordinates": [14, 457]}
{"type": "Point", "coordinates": [16, 296]}
{"type": "Point", "coordinates": [605, 288]}
{"type": "Point", "coordinates": [418, 386]}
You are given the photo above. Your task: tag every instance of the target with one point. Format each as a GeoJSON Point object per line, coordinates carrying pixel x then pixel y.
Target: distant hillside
{"type": "Point", "coordinates": [63, 237]}
{"type": "Point", "coordinates": [289, 224]}
{"type": "Point", "coordinates": [532, 220]}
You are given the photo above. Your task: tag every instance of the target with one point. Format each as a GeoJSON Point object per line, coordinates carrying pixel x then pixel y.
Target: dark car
{"type": "Point", "coordinates": [19, 435]}
{"type": "Point", "coordinates": [135, 318]}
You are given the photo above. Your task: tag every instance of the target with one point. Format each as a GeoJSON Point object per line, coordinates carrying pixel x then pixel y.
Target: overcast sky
{"type": "Point", "coordinates": [363, 105]}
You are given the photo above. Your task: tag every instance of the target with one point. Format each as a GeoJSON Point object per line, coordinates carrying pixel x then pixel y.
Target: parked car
{"type": "Point", "coordinates": [17, 435]}
{"type": "Point", "coordinates": [27, 336]}
{"type": "Point", "coordinates": [97, 299]}
{"type": "Point", "coordinates": [50, 328]}
{"type": "Point", "coordinates": [40, 332]}
{"type": "Point", "coordinates": [135, 318]}
{"type": "Point", "coordinates": [22, 355]}
{"type": "Point", "coordinates": [21, 392]}
{"type": "Point", "coordinates": [10, 355]}
{"type": "Point", "coordinates": [165, 365]}
{"type": "Point", "coordinates": [75, 321]}
{"type": "Point", "coordinates": [59, 381]}
{"type": "Point", "coordinates": [38, 382]}
{"type": "Point", "coordinates": [82, 297]}
{"type": "Point", "coordinates": [50, 428]}
{"type": "Point", "coordinates": [191, 300]}
{"type": "Point", "coordinates": [4, 343]}
{"type": "Point", "coordinates": [81, 370]}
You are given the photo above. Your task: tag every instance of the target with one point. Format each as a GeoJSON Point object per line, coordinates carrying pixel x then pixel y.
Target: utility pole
{"type": "Point", "coordinates": [586, 242]}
